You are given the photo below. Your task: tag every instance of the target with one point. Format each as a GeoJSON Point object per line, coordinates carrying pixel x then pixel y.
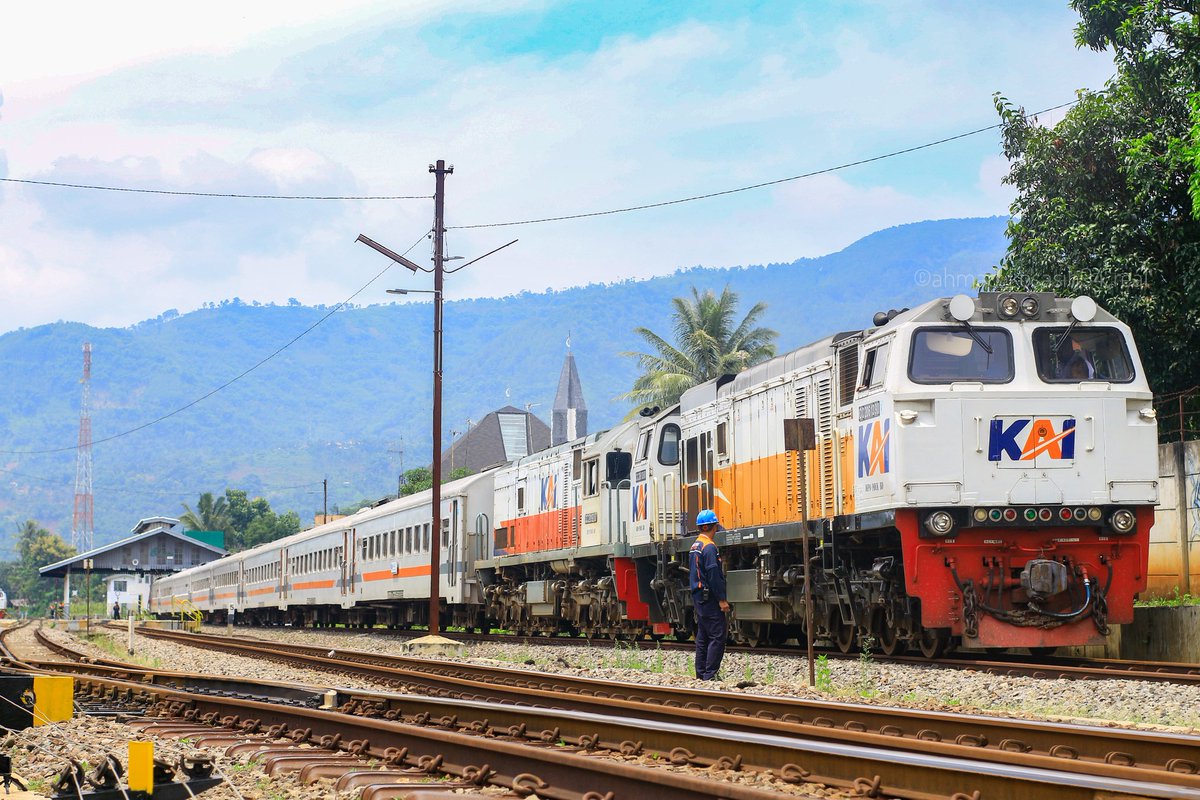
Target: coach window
{"type": "Point", "coordinates": [520, 499]}
{"type": "Point", "coordinates": [950, 354]}
{"type": "Point", "coordinates": [445, 532]}
{"type": "Point", "coordinates": [591, 478]}
{"type": "Point", "coordinates": [426, 527]}
{"type": "Point", "coordinates": [722, 439]}
{"type": "Point", "coordinates": [668, 445]}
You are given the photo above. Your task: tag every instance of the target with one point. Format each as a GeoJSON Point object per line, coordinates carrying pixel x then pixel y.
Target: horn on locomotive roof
{"type": "Point", "coordinates": [882, 318]}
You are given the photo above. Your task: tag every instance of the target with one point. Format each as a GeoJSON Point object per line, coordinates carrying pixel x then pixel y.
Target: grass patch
{"type": "Point", "coordinates": [1178, 600]}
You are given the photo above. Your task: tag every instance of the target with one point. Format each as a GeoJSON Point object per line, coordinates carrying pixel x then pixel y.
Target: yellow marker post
{"type": "Point", "coordinates": [141, 767]}
{"type": "Point", "coordinates": [53, 699]}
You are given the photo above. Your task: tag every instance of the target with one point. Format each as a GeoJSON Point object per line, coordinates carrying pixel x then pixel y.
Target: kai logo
{"type": "Point", "coordinates": [549, 499]}
{"type": "Point", "coordinates": [873, 450]}
{"type": "Point", "coordinates": [1042, 439]}
{"type": "Point", "coordinates": [639, 502]}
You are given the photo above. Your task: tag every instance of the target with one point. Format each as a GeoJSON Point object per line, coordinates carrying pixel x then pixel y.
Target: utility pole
{"type": "Point", "coordinates": [399, 451]}
{"type": "Point", "coordinates": [440, 171]}
{"type": "Point", "coordinates": [325, 485]}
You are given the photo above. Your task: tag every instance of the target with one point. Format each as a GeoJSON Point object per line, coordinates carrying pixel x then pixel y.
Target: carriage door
{"type": "Point", "coordinates": [697, 476]}
{"type": "Point", "coordinates": [452, 561]}
{"type": "Point", "coordinates": [285, 573]}
{"type": "Point", "coordinates": [348, 553]}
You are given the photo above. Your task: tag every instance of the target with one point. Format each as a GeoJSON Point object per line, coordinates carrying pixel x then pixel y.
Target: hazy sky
{"type": "Point", "coordinates": [544, 109]}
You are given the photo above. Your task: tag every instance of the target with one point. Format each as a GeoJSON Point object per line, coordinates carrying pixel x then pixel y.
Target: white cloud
{"type": "Point", "coordinates": [351, 100]}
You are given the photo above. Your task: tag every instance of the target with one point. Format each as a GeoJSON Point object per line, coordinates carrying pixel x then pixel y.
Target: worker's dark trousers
{"type": "Point", "coordinates": [710, 637]}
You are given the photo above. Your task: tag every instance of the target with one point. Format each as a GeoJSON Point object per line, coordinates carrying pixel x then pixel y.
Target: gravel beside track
{"type": "Point", "coordinates": [1103, 702]}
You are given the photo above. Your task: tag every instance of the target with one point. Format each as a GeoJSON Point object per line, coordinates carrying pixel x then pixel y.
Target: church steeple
{"type": "Point", "coordinates": [570, 410]}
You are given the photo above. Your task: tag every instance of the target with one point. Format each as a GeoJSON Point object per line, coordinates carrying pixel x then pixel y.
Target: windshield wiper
{"type": "Point", "coordinates": [987, 348]}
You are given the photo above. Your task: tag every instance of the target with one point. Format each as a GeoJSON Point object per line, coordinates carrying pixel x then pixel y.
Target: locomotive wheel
{"type": "Point", "coordinates": [932, 643]}
{"type": "Point", "coordinates": [889, 640]}
{"type": "Point", "coordinates": [844, 637]}
{"type": "Point", "coordinates": [752, 634]}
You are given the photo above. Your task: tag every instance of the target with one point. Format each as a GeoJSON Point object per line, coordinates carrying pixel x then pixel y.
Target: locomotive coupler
{"type": "Point", "coordinates": [1043, 578]}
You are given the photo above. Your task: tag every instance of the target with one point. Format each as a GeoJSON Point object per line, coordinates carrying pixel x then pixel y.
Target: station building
{"type": "Point", "coordinates": [156, 546]}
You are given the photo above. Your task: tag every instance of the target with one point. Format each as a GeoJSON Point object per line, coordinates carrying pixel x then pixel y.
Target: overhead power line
{"type": "Point", "coordinates": [231, 195]}
{"type": "Point", "coordinates": [763, 184]}
{"type": "Point", "coordinates": [232, 380]}
{"type": "Point", "coordinates": [148, 492]}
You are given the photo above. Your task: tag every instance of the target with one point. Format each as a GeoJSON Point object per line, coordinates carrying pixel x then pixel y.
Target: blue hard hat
{"type": "Point", "coordinates": [706, 517]}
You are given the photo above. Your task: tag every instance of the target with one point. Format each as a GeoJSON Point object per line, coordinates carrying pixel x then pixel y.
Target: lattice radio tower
{"type": "Point", "coordinates": [83, 529]}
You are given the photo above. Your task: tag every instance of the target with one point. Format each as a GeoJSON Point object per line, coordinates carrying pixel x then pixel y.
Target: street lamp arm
{"type": "Point", "coordinates": [399, 259]}
{"type": "Point", "coordinates": [485, 255]}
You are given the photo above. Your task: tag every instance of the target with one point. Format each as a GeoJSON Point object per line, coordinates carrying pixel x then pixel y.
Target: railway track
{"type": "Point", "coordinates": [1005, 664]}
{"type": "Point", "coordinates": [732, 740]}
{"type": "Point", "coordinates": [1082, 749]}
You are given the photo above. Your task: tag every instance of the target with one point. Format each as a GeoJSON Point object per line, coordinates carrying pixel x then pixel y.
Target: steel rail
{"type": "Point", "coordinates": [1073, 747]}
{"type": "Point", "coordinates": [873, 772]}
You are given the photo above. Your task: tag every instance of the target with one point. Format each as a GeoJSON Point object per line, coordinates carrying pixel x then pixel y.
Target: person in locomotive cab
{"type": "Point", "coordinates": [1075, 362]}
{"type": "Point", "coordinates": [706, 577]}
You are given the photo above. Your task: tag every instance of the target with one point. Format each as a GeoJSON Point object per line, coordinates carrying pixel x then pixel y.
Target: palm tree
{"type": "Point", "coordinates": [707, 345]}
{"type": "Point", "coordinates": [210, 515]}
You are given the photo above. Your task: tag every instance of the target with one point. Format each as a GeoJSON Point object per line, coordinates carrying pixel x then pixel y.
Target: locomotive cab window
{"type": "Point", "coordinates": [874, 364]}
{"type": "Point", "coordinates": [950, 354]}
{"type": "Point", "coordinates": [643, 446]}
{"type": "Point", "coordinates": [591, 478]}
{"type": "Point", "coordinates": [1082, 354]}
{"type": "Point", "coordinates": [668, 445]}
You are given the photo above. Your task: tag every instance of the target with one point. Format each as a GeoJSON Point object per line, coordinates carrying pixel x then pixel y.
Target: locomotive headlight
{"type": "Point", "coordinates": [1122, 520]}
{"type": "Point", "coordinates": [940, 523]}
{"type": "Point", "coordinates": [1009, 306]}
{"type": "Point", "coordinates": [1030, 306]}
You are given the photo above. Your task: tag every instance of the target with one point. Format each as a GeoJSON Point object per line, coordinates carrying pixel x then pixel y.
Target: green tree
{"type": "Point", "coordinates": [707, 345]}
{"type": "Point", "coordinates": [421, 478]}
{"type": "Point", "coordinates": [1108, 199]}
{"type": "Point", "coordinates": [269, 526]}
{"type": "Point", "coordinates": [36, 547]}
{"type": "Point", "coordinates": [210, 515]}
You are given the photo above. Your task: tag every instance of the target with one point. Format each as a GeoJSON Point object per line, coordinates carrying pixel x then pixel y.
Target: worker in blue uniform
{"type": "Point", "coordinates": [706, 577]}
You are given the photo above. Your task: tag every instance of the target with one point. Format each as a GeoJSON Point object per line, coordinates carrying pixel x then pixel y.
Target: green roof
{"type": "Point", "coordinates": [211, 538]}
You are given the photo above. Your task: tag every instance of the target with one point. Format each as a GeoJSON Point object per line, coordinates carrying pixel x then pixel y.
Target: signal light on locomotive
{"type": "Point", "coordinates": [1064, 514]}
{"type": "Point", "coordinates": [1094, 514]}
{"type": "Point", "coordinates": [1031, 515]}
{"type": "Point", "coordinates": [1045, 515]}
{"type": "Point", "coordinates": [1081, 514]}
{"type": "Point", "coordinates": [1122, 520]}
{"type": "Point", "coordinates": [1009, 306]}
{"type": "Point", "coordinates": [940, 523]}
{"type": "Point", "coordinates": [1010, 515]}
{"type": "Point", "coordinates": [981, 514]}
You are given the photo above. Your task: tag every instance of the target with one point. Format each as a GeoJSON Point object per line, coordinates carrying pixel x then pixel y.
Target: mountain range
{"type": "Point", "coordinates": [275, 399]}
